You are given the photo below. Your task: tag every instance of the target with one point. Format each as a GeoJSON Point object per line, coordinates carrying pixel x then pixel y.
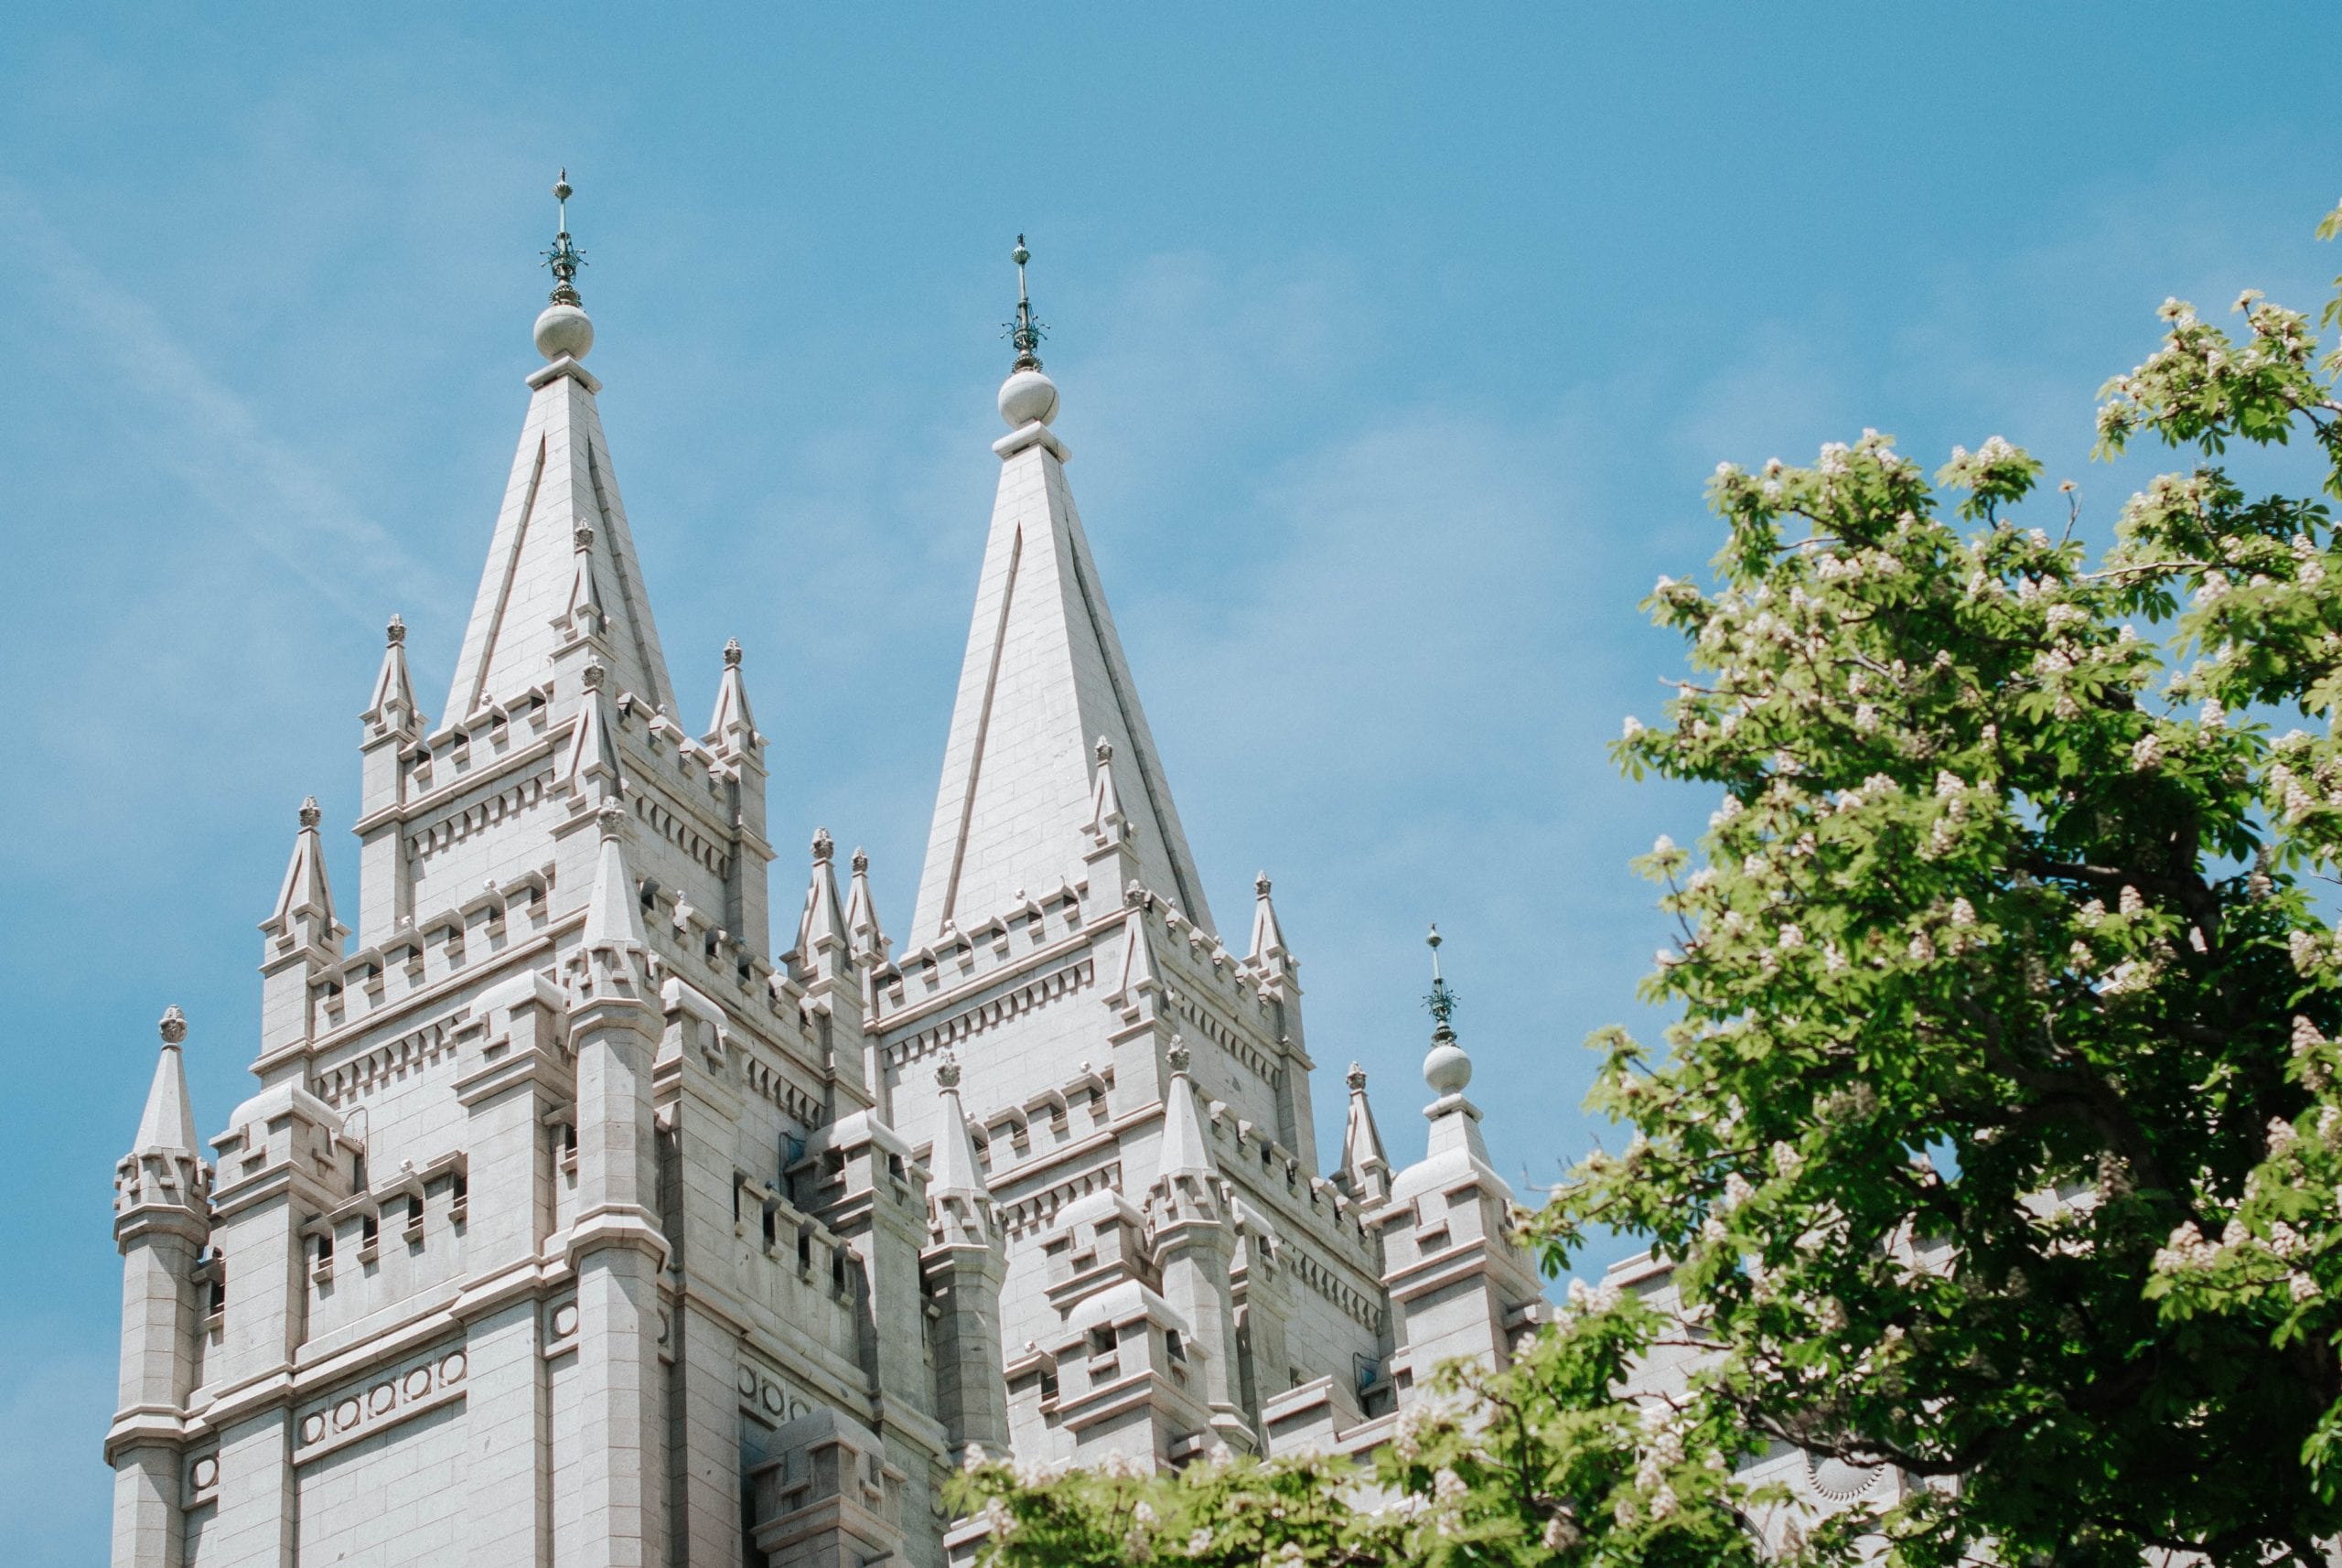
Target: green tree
{"type": "Point", "coordinates": [2000, 1136]}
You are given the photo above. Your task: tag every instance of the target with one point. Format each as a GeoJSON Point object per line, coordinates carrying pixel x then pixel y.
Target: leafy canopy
{"type": "Point", "coordinates": [1998, 1140]}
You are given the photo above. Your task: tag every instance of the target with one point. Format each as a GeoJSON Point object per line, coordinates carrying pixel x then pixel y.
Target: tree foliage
{"type": "Point", "coordinates": [2000, 1136]}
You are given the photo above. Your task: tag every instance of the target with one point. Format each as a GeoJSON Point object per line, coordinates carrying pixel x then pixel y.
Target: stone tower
{"type": "Point", "coordinates": [568, 1227]}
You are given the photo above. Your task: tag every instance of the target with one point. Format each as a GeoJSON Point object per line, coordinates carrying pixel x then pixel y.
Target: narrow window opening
{"type": "Point", "coordinates": [370, 1230]}
{"type": "Point", "coordinates": [837, 1270]}
{"type": "Point", "coordinates": [804, 1250]}
{"type": "Point", "coordinates": [1174, 1346]}
{"type": "Point", "coordinates": [1102, 1341]}
{"type": "Point", "coordinates": [772, 1229]}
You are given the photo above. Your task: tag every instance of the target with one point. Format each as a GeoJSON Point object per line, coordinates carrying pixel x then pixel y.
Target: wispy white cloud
{"type": "Point", "coordinates": [275, 494]}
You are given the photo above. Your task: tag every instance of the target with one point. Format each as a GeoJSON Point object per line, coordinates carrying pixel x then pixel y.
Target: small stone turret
{"type": "Point", "coordinates": [302, 939]}
{"type": "Point", "coordinates": [963, 1266]}
{"type": "Point", "coordinates": [733, 740]}
{"type": "Point", "coordinates": [1189, 1224]}
{"type": "Point", "coordinates": [162, 1224]}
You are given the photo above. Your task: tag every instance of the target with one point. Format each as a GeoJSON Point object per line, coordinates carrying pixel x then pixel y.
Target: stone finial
{"type": "Point", "coordinates": [1356, 1079]}
{"type": "Point", "coordinates": [1177, 1056]}
{"type": "Point", "coordinates": [174, 1024]}
{"type": "Point", "coordinates": [396, 633]}
{"type": "Point", "coordinates": [582, 537]}
{"type": "Point", "coordinates": [824, 848]}
{"type": "Point", "coordinates": [1260, 884]}
{"type": "Point", "coordinates": [593, 675]}
{"type": "Point", "coordinates": [947, 1072]}
{"type": "Point", "coordinates": [611, 819]}
{"type": "Point", "coordinates": [732, 654]}
{"type": "Point", "coordinates": [1104, 749]}
{"type": "Point", "coordinates": [310, 815]}
{"type": "Point", "coordinates": [861, 863]}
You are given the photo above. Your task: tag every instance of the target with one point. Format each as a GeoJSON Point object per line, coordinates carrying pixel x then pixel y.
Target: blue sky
{"type": "Point", "coordinates": [1396, 345]}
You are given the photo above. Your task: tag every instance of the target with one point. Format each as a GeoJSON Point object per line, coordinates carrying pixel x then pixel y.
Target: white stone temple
{"type": "Point", "coordinates": [567, 1225]}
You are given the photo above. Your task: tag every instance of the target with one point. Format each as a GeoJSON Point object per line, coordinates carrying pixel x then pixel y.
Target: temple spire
{"type": "Point", "coordinates": [1268, 937]}
{"type": "Point", "coordinates": [822, 928]}
{"type": "Point", "coordinates": [562, 552]}
{"type": "Point", "coordinates": [167, 1127]}
{"type": "Point", "coordinates": [1185, 1151]}
{"type": "Point", "coordinates": [861, 925]}
{"type": "Point", "coordinates": [1043, 681]}
{"type": "Point", "coordinates": [392, 710]}
{"type": "Point", "coordinates": [304, 913]}
{"type": "Point", "coordinates": [614, 907]}
{"type": "Point", "coordinates": [953, 1170]}
{"type": "Point", "coordinates": [733, 727]}
{"type": "Point", "coordinates": [1365, 1168]}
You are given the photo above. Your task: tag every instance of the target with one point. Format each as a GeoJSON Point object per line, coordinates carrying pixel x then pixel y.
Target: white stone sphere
{"type": "Point", "coordinates": [565, 329]}
{"type": "Point", "coordinates": [1028, 396]}
{"type": "Point", "coordinates": [1447, 1070]}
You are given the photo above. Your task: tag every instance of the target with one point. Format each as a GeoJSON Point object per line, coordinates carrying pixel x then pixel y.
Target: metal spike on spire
{"type": "Point", "coordinates": [1442, 999]}
{"type": "Point", "coordinates": [565, 258]}
{"type": "Point", "coordinates": [1024, 333]}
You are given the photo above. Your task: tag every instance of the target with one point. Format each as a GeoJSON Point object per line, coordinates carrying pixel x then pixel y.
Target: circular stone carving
{"type": "Point", "coordinates": [418, 1383]}
{"type": "Point", "coordinates": [451, 1369]}
{"type": "Point", "coordinates": [773, 1401]}
{"type": "Point", "coordinates": [313, 1426]}
{"type": "Point", "coordinates": [748, 1382]}
{"type": "Point", "coordinates": [796, 1410]}
{"type": "Point", "coordinates": [206, 1469]}
{"type": "Point", "coordinates": [380, 1397]}
{"type": "Point", "coordinates": [1838, 1480]}
{"type": "Point", "coordinates": [564, 1320]}
{"type": "Point", "coordinates": [344, 1415]}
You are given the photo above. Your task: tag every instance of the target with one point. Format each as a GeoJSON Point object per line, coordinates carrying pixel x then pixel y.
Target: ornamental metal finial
{"type": "Point", "coordinates": [1442, 999]}
{"type": "Point", "coordinates": [565, 258]}
{"type": "Point", "coordinates": [1024, 333]}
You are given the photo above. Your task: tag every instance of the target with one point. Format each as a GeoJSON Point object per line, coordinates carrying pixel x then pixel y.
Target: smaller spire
{"type": "Point", "coordinates": [1365, 1168]}
{"type": "Point", "coordinates": [869, 940]}
{"type": "Point", "coordinates": [821, 926]}
{"type": "Point", "coordinates": [734, 727]}
{"type": "Point", "coordinates": [392, 709]}
{"type": "Point", "coordinates": [304, 913]}
{"type": "Point", "coordinates": [584, 615]}
{"type": "Point", "coordinates": [956, 1171]}
{"type": "Point", "coordinates": [1268, 937]}
{"type": "Point", "coordinates": [590, 769]}
{"type": "Point", "coordinates": [614, 907]}
{"type": "Point", "coordinates": [1107, 824]}
{"type": "Point", "coordinates": [1186, 1152]}
{"type": "Point", "coordinates": [168, 1126]}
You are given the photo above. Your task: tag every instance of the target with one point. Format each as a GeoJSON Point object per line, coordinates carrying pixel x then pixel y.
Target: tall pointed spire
{"type": "Point", "coordinates": [304, 913]}
{"type": "Point", "coordinates": [1044, 679]}
{"type": "Point", "coordinates": [561, 483]}
{"type": "Point", "coordinates": [167, 1127]}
